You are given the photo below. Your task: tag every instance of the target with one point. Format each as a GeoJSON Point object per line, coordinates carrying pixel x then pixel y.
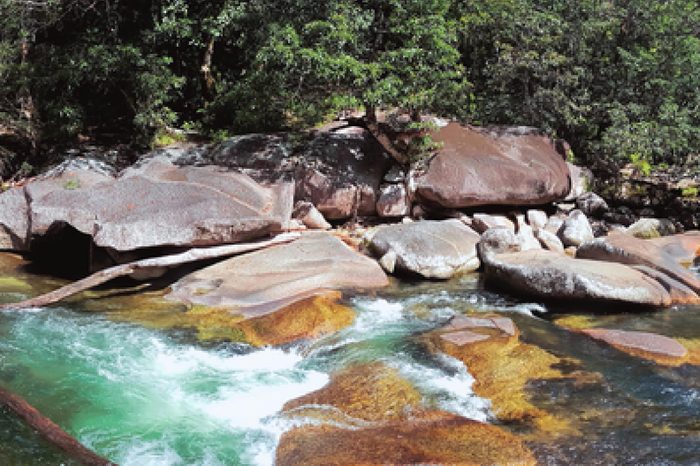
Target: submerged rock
{"type": "Point", "coordinates": [502, 366]}
{"type": "Point", "coordinates": [431, 249]}
{"type": "Point", "coordinates": [658, 348]}
{"type": "Point", "coordinates": [504, 166]}
{"type": "Point", "coordinates": [437, 437]}
{"type": "Point", "coordinates": [371, 415]}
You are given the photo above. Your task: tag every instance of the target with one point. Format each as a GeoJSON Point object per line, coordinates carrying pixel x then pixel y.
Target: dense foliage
{"type": "Point", "coordinates": [619, 79]}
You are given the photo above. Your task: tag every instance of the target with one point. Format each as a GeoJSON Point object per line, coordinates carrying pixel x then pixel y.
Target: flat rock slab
{"type": "Point", "coordinates": [474, 167]}
{"type": "Point", "coordinates": [683, 247]}
{"type": "Point", "coordinates": [649, 345]}
{"type": "Point", "coordinates": [502, 324]}
{"type": "Point", "coordinates": [262, 282]}
{"type": "Point", "coordinates": [431, 249]}
{"type": "Point", "coordinates": [159, 204]}
{"type": "Point", "coordinates": [548, 275]}
{"type": "Point", "coordinates": [626, 249]}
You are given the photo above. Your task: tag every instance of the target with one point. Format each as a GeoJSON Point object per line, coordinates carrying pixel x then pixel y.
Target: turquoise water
{"type": "Point", "coordinates": [152, 397]}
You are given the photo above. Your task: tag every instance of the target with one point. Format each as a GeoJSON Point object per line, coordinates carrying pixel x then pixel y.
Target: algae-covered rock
{"type": "Point", "coordinates": [438, 438]}
{"type": "Point", "coordinates": [371, 392]}
{"type": "Point", "coordinates": [371, 415]}
{"type": "Point", "coordinates": [502, 366]}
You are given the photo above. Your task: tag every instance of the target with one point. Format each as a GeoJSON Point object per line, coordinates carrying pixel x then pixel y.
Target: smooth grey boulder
{"type": "Point", "coordinates": [158, 204]}
{"type": "Point", "coordinates": [648, 228]}
{"type": "Point", "coordinates": [432, 249]}
{"type": "Point", "coordinates": [575, 230]}
{"type": "Point", "coordinates": [262, 282]}
{"type": "Point", "coordinates": [549, 241]}
{"type": "Point", "coordinates": [552, 276]}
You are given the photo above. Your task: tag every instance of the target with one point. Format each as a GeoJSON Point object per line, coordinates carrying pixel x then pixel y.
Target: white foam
{"type": "Point", "coordinates": [248, 408]}
{"type": "Point", "coordinates": [450, 387]}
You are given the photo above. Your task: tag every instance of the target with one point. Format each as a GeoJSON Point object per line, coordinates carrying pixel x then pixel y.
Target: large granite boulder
{"type": "Point", "coordinates": [262, 282]}
{"type": "Point", "coordinates": [480, 166]}
{"type": "Point", "coordinates": [341, 173]}
{"type": "Point", "coordinates": [75, 176]}
{"type": "Point", "coordinates": [159, 204]}
{"type": "Point", "coordinates": [432, 249]}
{"type": "Point", "coordinates": [626, 249]}
{"type": "Point", "coordinates": [548, 275]}
{"type": "Point", "coordinates": [14, 220]}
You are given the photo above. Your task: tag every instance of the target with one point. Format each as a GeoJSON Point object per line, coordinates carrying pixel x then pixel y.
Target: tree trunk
{"type": "Point", "coordinates": [145, 265]}
{"type": "Point", "coordinates": [50, 431]}
{"type": "Point", "coordinates": [207, 78]}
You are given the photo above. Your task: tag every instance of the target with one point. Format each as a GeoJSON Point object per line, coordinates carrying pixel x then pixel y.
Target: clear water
{"type": "Point", "coordinates": [150, 397]}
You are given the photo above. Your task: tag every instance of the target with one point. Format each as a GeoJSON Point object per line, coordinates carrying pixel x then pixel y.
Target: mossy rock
{"type": "Point", "coordinates": [435, 438]}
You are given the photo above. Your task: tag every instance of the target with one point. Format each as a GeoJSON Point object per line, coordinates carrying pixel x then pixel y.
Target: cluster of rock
{"type": "Point", "coordinates": [254, 186]}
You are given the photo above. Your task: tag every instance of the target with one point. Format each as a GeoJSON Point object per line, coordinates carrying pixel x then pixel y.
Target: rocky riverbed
{"type": "Point", "coordinates": [487, 308]}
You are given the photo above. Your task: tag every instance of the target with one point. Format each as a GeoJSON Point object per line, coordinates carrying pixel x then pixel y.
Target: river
{"type": "Point", "coordinates": [143, 395]}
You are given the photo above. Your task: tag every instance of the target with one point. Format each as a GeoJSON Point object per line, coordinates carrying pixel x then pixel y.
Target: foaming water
{"type": "Point", "coordinates": [143, 398]}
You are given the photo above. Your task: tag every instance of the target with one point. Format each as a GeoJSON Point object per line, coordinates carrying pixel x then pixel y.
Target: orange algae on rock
{"type": "Point", "coordinates": [374, 416]}
{"type": "Point", "coordinates": [371, 392]}
{"type": "Point", "coordinates": [306, 319]}
{"type": "Point", "coordinates": [438, 438]}
{"type": "Point", "coordinates": [502, 367]}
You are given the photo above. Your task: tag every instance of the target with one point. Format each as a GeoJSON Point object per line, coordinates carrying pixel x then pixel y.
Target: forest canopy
{"type": "Point", "coordinates": [618, 79]}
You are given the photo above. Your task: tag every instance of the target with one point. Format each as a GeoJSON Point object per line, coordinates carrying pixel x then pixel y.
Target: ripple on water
{"type": "Point", "coordinates": [141, 397]}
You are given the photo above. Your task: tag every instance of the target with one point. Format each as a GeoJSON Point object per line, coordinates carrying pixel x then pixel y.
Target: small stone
{"type": "Point", "coordinates": [483, 222]}
{"type": "Point", "coordinates": [645, 344]}
{"type": "Point", "coordinates": [526, 235]}
{"type": "Point", "coordinates": [463, 337]}
{"type": "Point", "coordinates": [309, 215]}
{"type": "Point", "coordinates": [576, 229]}
{"type": "Point", "coordinates": [393, 201]}
{"type": "Point", "coordinates": [549, 241]}
{"type": "Point", "coordinates": [536, 218]}
{"type": "Point", "coordinates": [648, 228]}
{"type": "Point", "coordinates": [592, 204]}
